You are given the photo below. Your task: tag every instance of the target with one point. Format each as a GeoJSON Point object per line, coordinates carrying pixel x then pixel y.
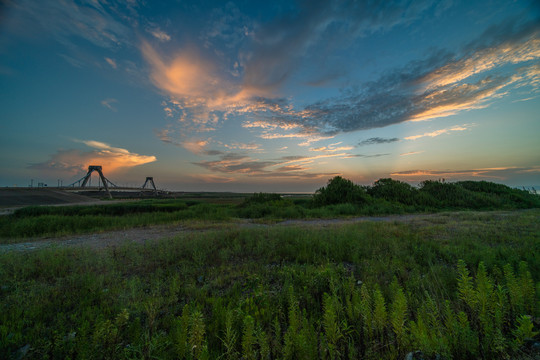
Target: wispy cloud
{"type": "Point", "coordinates": [439, 132]}
{"type": "Point", "coordinates": [75, 161]}
{"type": "Point", "coordinates": [94, 21]}
{"type": "Point", "coordinates": [500, 173]}
{"type": "Point", "coordinates": [526, 99]}
{"type": "Point", "coordinates": [332, 148]}
{"type": "Point", "coordinates": [240, 164]}
{"type": "Point", "coordinates": [111, 62]}
{"type": "Point", "coordinates": [411, 153]}
{"type": "Point", "coordinates": [242, 146]}
{"type": "Point", "coordinates": [377, 140]}
{"type": "Point", "coordinates": [159, 34]}
{"type": "Point", "coordinates": [281, 45]}
{"type": "Point", "coordinates": [108, 103]}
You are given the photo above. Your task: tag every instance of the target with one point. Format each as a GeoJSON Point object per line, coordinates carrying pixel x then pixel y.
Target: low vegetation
{"type": "Point", "coordinates": [462, 285]}
{"type": "Point", "coordinates": [340, 197]}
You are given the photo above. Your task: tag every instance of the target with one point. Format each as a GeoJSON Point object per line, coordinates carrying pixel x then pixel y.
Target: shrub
{"type": "Point", "coordinates": [340, 191]}
{"type": "Point", "coordinates": [261, 198]}
{"type": "Point", "coordinates": [393, 190]}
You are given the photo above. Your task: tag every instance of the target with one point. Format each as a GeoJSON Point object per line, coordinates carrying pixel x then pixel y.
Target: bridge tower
{"type": "Point", "coordinates": [97, 168]}
{"type": "Point", "coordinates": [150, 181]}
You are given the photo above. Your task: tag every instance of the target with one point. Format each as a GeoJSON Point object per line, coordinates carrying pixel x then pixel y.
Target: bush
{"type": "Point", "coordinates": [393, 190]}
{"type": "Point", "coordinates": [261, 198]}
{"type": "Point", "coordinates": [340, 191]}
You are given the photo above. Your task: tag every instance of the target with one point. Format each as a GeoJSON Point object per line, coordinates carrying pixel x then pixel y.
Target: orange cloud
{"type": "Point", "coordinates": [195, 146]}
{"type": "Point", "coordinates": [438, 132]}
{"type": "Point", "coordinates": [187, 75]}
{"type": "Point", "coordinates": [484, 60]}
{"type": "Point", "coordinates": [77, 161]}
{"type": "Point", "coordinates": [113, 158]}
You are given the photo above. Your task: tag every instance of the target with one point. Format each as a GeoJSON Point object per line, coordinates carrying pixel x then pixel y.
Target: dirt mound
{"type": "Point", "coordinates": [41, 196]}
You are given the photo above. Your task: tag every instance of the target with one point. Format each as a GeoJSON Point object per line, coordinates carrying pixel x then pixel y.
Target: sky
{"type": "Point", "coordinates": [269, 96]}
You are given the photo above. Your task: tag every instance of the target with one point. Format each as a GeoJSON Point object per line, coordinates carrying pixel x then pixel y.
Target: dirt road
{"type": "Point", "coordinates": [145, 234]}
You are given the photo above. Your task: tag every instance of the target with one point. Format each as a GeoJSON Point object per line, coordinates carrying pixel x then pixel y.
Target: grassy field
{"type": "Point", "coordinates": [458, 285]}
{"type": "Point", "coordinates": [338, 199]}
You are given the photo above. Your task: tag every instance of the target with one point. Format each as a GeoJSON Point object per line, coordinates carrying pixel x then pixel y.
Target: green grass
{"type": "Point", "coordinates": [391, 197]}
{"type": "Point", "coordinates": [458, 285]}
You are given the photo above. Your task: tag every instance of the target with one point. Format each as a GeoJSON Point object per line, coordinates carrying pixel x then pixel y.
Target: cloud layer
{"type": "Point", "coordinates": [203, 97]}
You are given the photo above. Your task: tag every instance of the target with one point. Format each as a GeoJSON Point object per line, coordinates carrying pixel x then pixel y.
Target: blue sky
{"type": "Point", "coordinates": [269, 96]}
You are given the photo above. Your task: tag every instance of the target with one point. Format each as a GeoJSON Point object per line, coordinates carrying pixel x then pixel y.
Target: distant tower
{"type": "Point", "coordinates": [150, 181]}
{"type": "Point", "coordinates": [97, 168]}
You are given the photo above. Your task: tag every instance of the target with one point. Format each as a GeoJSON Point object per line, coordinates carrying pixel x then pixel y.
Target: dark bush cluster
{"type": "Point", "coordinates": [429, 196]}
{"type": "Point", "coordinates": [339, 191]}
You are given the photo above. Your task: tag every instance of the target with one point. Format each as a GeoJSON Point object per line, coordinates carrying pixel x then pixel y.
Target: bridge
{"type": "Point", "coordinates": [83, 184]}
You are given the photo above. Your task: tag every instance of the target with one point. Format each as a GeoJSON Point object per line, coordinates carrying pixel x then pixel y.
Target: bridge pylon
{"type": "Point", "coordinates": [104, 180]}
{"type": "Point", "coordinates": [150, 181]}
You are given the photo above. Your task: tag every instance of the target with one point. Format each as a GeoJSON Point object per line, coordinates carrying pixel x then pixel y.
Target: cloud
{"type": "Point", "coordinates": [108, 104]}
{"type": "Point", "coordinates": [317, 27]}
{"type": "Point", "coordinates": [526, 99]}
{"type": "Point", "coordinates": [291, 168]}
{"type": "Point", "coordinates": [94, 21]}
{"type": "Point", "coordinates": [366, 156]}
{"type": "Point", "coordinates": [76, 161]}
{"type": "Point", "coordinates": [196, 146]}
{"type": "Point", "coordinates": [241, 65]}
{"type": "Point", "coordinates": [238, 164]}
{"type": "Point", "coordinates": [213, 152]}
{"type": "Point", "coordinates": [235, 163]}
{"type": "Point", "coordinates": [165, 136]}
{"type": "Point", "coordinates": [411, 153]}
{"type": "Point", "coordinates": [377, 140]}
{"type": "Point", "coordinates": [332, 148]}
{"type": "Point", "coordinates": [240, 68]}
{"type": "Point", "coordinates": [160, 34]}
{"type": "Point", "coordinates": [111, 62]}
{"type": "Point", "coordinates": [438, 132]}
{"type": "Point", "coordinates": [442, 85]}
{"type": "Point", "coordinates": [185, 75]}
{"type": "Point", "coordinates": [242, 146]}
{"type": "Point", "coordinates": [500, 173]}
